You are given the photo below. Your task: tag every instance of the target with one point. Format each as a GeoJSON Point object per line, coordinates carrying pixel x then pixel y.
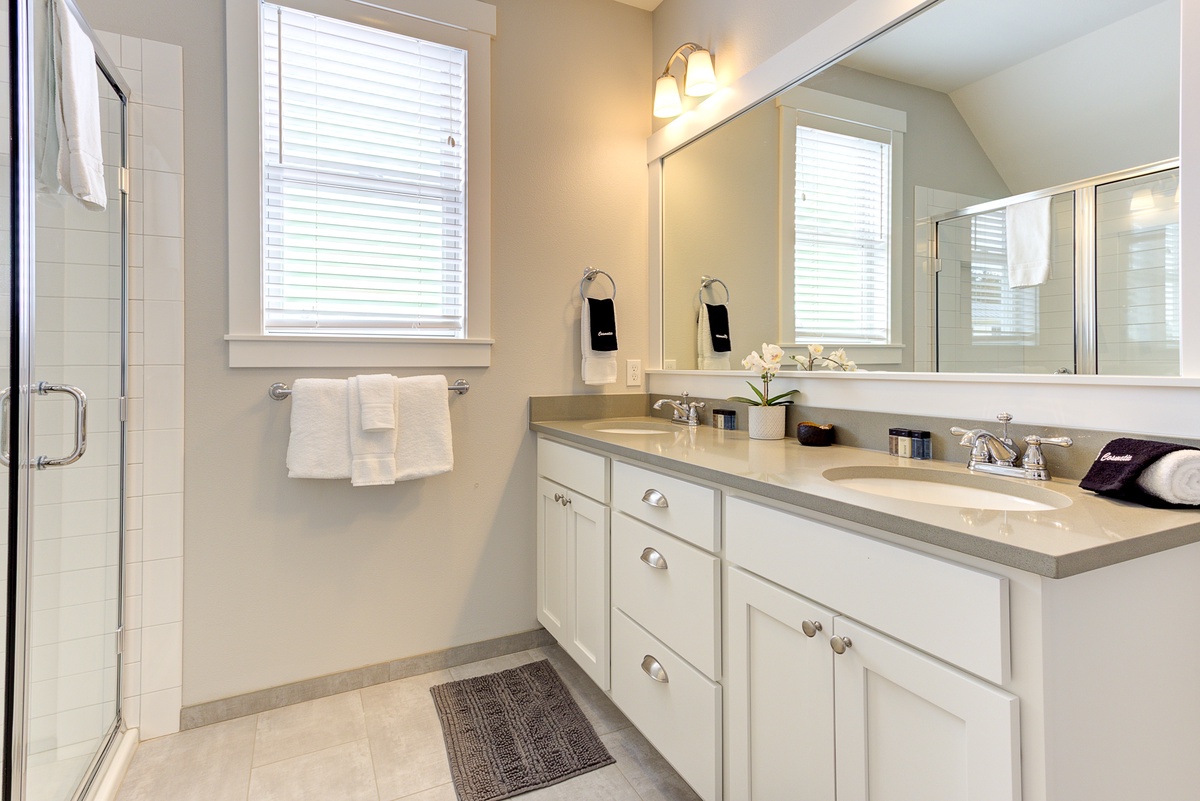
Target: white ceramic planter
{"type": "Point", "coordinates": [767, 422]}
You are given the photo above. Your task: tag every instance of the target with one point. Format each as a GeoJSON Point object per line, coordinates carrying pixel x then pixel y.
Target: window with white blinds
{"type": "Point", "coordinates": [999, 313]}
{"type": "Point", "coordinates": [843, 219]}
{"type": "Point", "coordinates": [364, 180]}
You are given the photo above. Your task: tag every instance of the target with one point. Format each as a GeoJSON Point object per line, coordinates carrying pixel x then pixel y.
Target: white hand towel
{"type": "Point", "coordinates": [424, 446]}
{"type": "Point", "coordinates": [1028, 233]}
{"type": "Point", "coordinates": [80, 156]}
{"type": "Point", "coordinates": [599, 367]}
{"type": "Point", "coordinates": [1175, 477]}
{"type": "Point", "coordinates": [377, 402]}
{"type": "Point", "coordinates": [373, 453]}
{"type": "Point", "coordinates": [319, 445]}
{"type": "Point", "coordinates": [706, 357]}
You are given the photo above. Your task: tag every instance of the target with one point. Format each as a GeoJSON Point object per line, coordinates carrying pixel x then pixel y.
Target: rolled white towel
{"type": "Point", "coordinates": [1175, 477]}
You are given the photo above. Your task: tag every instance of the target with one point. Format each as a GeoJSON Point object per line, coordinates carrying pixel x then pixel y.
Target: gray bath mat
{"type": "Point", "coordinates": [514, 731]}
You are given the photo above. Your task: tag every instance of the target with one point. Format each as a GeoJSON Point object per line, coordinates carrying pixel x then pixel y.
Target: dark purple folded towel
{"type": "Point", "coordinates": [1118, 465]}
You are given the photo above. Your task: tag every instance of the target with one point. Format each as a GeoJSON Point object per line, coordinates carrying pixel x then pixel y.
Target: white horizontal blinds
{"type": "Point", "coordinates": [843, 224]}
{"type": "Point", "coordinates": [364, 180]}
{"type": "Point", "coordinates": [999, 313]}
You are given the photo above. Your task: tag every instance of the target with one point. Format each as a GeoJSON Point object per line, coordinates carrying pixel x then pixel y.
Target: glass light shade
{"type": "Point", "coordinates": [700, 80]}
{"type": "Point", "coordinates": [666, 97]}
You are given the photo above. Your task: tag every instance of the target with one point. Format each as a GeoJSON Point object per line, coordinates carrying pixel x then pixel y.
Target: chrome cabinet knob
{"type": "Point", "coordinates": [655, 498]}
{"type": "Point", "coordinates": [654, 559]}
{"type": "Point", "coordinates": [654, 670]}
{"type": "Point", "coordinates": [839, 644]}
{"type": "Point", "coordinates": [561, 498]}
{"type": "Point", "coordinates": [811, 627]}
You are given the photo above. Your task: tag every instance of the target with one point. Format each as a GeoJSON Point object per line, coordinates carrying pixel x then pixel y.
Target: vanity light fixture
{"type": "Point", "coordinates": [699, 80]}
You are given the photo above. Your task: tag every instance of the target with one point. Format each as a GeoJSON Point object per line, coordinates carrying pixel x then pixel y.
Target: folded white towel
{"type": "Point", "coordinates": [319, 445]}
{"type": "Point", "coordinates": [1175, 477]}
{"type": "Point", "coordinates": [373, 453]}
{"type": "Point", "coordinates": [377, 401]}
{"type": "Point", "coordinates": [706, 357]}
{"type": "Point", "coordinates": [599, 367]}
{"type": "Point", "coordinates": [1028, 233]}
{"type": "Point", "coordinates": [424, 446]}
{"type": "Point", "coordinates": [80, 155]}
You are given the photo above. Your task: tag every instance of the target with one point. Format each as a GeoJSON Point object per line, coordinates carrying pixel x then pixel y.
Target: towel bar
{"type": "Point", "coordinates": [281, 391]}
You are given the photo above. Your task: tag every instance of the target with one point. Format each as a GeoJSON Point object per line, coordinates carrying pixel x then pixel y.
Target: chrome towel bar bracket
{"type": "Point", "coordinates": [280, 391]}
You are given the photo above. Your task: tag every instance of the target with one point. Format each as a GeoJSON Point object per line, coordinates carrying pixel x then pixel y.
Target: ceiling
{"type": "Point", "coordinates": [647, 5]}
{"type": "Point", "coordinates": [954, 44]}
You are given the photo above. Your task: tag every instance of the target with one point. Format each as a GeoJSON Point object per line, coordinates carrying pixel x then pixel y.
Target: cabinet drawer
{"type": "Point", "coordinates": [579, 470]}
{"type": "Point", "coordinates": [681, 716]}
{"type": "Point", "coordinates": [684, 509]}
{"type": "Point", "coordinates": [949, 610]}
{"type": "Point", "coordinates": [678, 601]}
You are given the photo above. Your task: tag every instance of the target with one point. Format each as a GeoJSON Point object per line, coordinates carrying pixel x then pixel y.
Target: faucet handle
{"type": "Point", "coordinates": [967, 436]}
{"type": "Point", "coordinates": [1033, 454]}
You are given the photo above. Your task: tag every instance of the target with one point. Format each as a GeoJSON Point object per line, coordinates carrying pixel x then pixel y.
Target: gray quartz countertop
{"type": "Point", "coordinates": [1091, 532]}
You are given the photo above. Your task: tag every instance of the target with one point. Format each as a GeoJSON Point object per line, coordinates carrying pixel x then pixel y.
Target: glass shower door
{"type": "Point", "coordinates": [76, 480]}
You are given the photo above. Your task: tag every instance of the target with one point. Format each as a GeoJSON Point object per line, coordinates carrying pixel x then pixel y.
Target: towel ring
{"type": "Point", "coordinates": [706, 283]}
{"type": "Point", "coordinates": [589, 274]}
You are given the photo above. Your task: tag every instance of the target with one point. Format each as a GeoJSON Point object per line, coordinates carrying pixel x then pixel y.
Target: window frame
{"type": "Point", "coordinates": [466, 24]}
{"type": "Point", "coordinates": [812, 105]}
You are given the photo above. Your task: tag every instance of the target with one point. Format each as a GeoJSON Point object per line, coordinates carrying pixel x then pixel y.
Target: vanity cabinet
{"type": "Point", "coordinates": [879, 720]}
{"type": "Point", "coordinates": [572, 554]}
{"type": "Point", "coordinates": [874, 717]}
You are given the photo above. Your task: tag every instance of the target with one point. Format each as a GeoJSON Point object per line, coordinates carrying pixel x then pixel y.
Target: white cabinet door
{"type": "Point", "coordinates": [908, 726]}
{"type": "Point", "coordinates": [587, 586]}
{"type": "Point", "coordinates": [780, 689]}
{"type": "Point", "coordinates": [572, 575]}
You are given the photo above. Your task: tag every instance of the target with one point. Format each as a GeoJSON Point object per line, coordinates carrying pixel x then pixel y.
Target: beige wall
{"type": "Point", "coordinates": [287, 579]}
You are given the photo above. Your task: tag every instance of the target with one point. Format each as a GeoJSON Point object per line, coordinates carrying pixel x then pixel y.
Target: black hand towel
{"type": "Point", "coordinates": [718, 327]}
{"type": "Point", "coordinates": [603, 314]}
{"type": "Point", "coordinates": [1118, 465]}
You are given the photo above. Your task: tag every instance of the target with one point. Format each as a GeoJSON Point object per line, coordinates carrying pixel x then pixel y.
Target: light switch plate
{"type": "Point", "coordinates": [633, 373]}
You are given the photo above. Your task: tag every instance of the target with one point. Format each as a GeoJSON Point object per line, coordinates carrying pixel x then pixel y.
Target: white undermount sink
{"type": "Point", "coordinates": [632, 427]}
{"type": "Point", "coordinates": [943, 488]}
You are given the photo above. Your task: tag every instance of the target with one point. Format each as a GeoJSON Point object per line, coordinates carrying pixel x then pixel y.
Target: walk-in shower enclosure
{"type": "Point", "coordinates": [63, 442]}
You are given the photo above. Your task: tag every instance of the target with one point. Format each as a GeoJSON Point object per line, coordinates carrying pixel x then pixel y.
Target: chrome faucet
{"type": "Point", "coordinates": [684, 412]}
{"type": "Point", "coordinates": [998, 454]}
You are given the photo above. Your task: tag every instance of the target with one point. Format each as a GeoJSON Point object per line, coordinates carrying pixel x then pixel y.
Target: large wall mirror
{"type": "Point", "coordinates": [987, 187]}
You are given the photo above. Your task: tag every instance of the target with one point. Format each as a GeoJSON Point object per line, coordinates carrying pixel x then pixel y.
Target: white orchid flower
{"type": "Point", "coordinates": [815, 350]}
{"type": "Point", "coordinates": [772, 354]}
{"type": "Point", "coordinates": [850, 367]}
{"type": "Point", "coordinates": [753, 361]}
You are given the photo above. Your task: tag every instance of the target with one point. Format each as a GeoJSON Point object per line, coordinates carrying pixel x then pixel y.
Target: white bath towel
{"type": "Point", "coordinates": [319, 445]}
{"type": "Point", "coordinates": [1175, 477]}
{"type": "Point", "coordinates": [373, 453]}
{"type": "Point", "coordinates": [377, 401]}
{"type": "Point", "coordinates": [599, 367]}
{"type": "Point", "coordinates": [706, 357]}
{"type": "Point", "coordinates": [80, 156]}
{"type": "Point", "coordinates": [1028, 233]}
{"type": "Point", "coordinates": [424, 446]}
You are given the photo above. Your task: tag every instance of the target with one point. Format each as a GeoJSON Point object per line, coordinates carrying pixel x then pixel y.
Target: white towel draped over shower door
{"type": "Point", "coordinates": [1028, 233]}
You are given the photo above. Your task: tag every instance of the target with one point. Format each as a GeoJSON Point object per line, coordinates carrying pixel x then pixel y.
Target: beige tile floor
{"type": "Point", "coordinates": [381, 743]}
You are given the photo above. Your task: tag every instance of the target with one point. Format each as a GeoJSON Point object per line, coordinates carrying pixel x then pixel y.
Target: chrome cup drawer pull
{"type": "Point", "coordinates": [654, 670]}
{"type": "Point", "coordinates": [655, 498]}
{"type": "Point", "coordinates": [654, 559]}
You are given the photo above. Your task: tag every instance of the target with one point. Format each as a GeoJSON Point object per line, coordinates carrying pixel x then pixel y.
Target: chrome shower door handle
{"type": "Point", "coordinates": [5, 403]}
{"type": "Point", "coordinates": [45, 388]}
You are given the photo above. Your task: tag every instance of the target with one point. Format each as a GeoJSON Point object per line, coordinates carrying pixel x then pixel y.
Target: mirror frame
{"type": "Point", "coordinates": [855, 25]}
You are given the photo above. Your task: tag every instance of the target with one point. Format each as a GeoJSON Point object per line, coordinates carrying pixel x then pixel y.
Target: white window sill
{"type": "Point", "coordinates": [302, 351]}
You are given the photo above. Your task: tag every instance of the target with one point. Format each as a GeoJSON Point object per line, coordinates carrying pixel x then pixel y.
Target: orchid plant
{"type": "Point", "coordinates": [766, 365]}
{"type": "Point", "coordinates": [836, 360]}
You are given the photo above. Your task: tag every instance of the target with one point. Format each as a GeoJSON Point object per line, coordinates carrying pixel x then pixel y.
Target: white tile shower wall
{"type": "Point", "coordinates": [1054, 327]}
{"type": "Point", "coordinates": [153, 653]}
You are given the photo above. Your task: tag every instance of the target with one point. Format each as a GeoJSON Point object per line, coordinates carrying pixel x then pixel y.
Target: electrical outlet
{"type": "Point", "coordinates": [633, 373]}
{"type": "Point", "coordinates": [668, 364]}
